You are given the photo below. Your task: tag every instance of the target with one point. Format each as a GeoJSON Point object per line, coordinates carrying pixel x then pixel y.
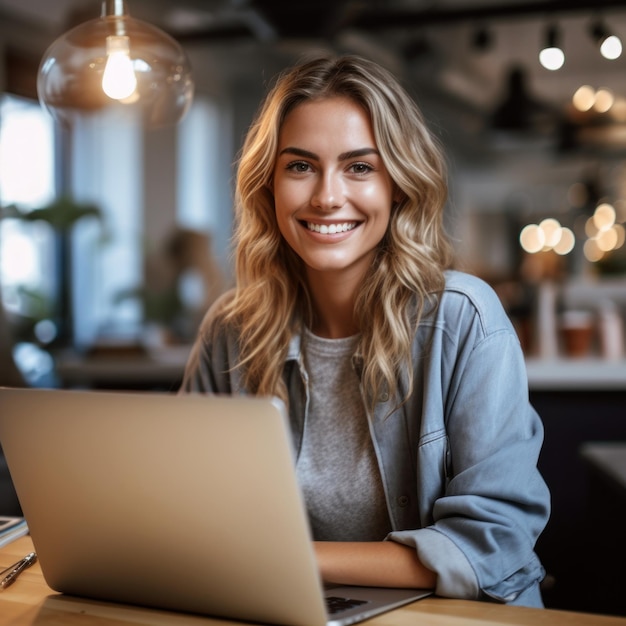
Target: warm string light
{"type": "Point", "coordinates": [547, 235]}
{"type": "Point", "coordinates": [604, 234]}
{"type": "Point", "coordinates": [587, 98]}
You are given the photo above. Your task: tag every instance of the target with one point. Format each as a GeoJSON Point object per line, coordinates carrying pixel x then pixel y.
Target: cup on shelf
{"type": "Point", "coordinates": [577, 333]}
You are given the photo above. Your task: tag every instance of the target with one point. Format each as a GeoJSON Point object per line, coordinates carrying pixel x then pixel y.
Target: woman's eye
{"type": "Point", "coordinates": [298, 166]}
{"type": "Point", "coordinates": [361, 168]}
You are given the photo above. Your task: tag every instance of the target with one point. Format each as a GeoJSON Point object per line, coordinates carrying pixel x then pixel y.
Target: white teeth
{"type": "Point", "coordinates": [331, 229]}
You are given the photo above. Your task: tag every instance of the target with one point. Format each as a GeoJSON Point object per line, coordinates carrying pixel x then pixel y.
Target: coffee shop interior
{"type": "Point", "coordinates": [115, 235]}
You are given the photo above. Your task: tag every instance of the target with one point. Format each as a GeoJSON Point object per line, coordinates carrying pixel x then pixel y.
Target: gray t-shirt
{"type": "Point", "coordinates": [337, 467]}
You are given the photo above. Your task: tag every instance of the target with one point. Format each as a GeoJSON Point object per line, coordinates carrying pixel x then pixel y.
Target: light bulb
{"type": "Point", "coordinates": [119, 80]}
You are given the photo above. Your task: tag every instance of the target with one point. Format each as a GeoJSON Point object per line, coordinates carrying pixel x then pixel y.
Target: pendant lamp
{"type": "Point", "coordinates": [115, 61]}
{"type": "Point", "coordinates": [520, 111]}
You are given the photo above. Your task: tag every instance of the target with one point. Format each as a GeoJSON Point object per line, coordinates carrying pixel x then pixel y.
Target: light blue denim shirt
{"type": "Point", "coordinates": [458, 459]}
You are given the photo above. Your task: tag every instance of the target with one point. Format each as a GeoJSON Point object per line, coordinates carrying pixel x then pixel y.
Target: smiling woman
{"type": "Point", "coordinates": [416, 446]}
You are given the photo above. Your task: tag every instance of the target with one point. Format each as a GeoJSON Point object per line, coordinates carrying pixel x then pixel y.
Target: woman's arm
{"type": "Point", "coordinates": [372, 564]}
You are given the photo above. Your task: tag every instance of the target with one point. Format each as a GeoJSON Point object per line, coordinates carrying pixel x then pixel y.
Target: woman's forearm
{"type": "Point", "coordinates": [372, 564]}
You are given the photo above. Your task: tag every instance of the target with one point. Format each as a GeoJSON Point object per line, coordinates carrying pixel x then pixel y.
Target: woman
{"type": "Point", "coordinates": [406, 388]}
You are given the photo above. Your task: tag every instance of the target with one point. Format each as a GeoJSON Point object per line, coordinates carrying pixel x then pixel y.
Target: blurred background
{"type": "Point", "coordinates": [114, 240]}
{"type": "Point", "coordinates": [531, 150]}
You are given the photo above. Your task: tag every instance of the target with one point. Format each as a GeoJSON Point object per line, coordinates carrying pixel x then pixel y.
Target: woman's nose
{"type": "Point", "coordinates": [328, 193]}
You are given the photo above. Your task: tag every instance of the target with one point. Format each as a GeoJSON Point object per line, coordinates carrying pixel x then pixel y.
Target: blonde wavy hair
{"type": "Point", "coordinates": [271, 301]}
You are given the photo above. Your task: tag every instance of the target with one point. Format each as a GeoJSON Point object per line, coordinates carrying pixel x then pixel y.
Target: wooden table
{"type": "Point", "coordinates": [29, 601]}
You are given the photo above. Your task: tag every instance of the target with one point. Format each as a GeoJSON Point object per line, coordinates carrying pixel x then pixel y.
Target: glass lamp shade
{"type": "Point", "coordinates": [144, 71]}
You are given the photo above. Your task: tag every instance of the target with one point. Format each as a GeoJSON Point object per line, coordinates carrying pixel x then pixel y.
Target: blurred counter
{"type": "Point", "coordinates": [585, 374]}
{"type": "Point", "coordinates": [143, 369]}
{"type": "Point", "coordinates": [163, 369]}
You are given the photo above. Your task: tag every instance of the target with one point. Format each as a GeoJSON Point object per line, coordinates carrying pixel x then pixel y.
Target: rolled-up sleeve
{"type": "Point", "coordinates": [455, 576]}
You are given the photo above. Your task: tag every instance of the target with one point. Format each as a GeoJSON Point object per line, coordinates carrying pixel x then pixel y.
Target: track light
{"type": "Point", "coordinates": [610, 45]}
{"type": "Point", "coordinates": [552, 56]}
{"type": "Point", "coordinates": [482, 39]}
{"type": "Point", "coordinates": [116, 61]}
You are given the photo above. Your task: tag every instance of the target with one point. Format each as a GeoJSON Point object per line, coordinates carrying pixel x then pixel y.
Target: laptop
{"type": "Point", "coordinates": [180, 502]}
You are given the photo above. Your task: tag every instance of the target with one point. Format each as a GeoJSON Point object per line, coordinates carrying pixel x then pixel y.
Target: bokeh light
{"type": "Point", "coordinates": [532, 238]}
{"type": "Point", "coordinates": [584, 98]}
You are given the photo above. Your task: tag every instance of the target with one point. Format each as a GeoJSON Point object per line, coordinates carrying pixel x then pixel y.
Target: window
{"type": "Point", "coordinates": [204, 203]}
{"type": "Point", "coordinates": [26, 183]}
{"type": "Point", "coordinates": [107, 172]}
{"type": "Point", "coordinates": [27, 173]}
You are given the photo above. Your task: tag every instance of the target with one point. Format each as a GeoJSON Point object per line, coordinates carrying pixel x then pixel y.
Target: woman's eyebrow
{"type": "Point", "coordinates": [355, 154]}
{"type": "Point", "coordinates": [344, 156]}
{"type": "Point", "coordinates": [299, 152]}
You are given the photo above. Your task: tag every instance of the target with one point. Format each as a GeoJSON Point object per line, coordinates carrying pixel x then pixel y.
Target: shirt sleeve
{"type": "Point", "coordinates": [210, 368]}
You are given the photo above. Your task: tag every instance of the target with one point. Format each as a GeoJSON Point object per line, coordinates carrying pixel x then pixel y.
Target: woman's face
{"type": "Point", "coordinates": [332, 192]}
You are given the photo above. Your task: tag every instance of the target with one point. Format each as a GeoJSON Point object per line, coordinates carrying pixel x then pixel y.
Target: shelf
{"type": "Point", "coordinates": [587, 374]}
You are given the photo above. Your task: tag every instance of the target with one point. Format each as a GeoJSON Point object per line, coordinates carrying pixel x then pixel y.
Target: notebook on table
{"type": "Point", "coordinates": [188, 503]}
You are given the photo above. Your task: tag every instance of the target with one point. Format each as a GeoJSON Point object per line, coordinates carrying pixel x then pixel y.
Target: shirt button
{"type": "Point", "coordinates": [403, 501]}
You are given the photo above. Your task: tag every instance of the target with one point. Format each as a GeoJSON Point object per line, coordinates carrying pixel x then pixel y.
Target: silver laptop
{"type": "Point", "coordinates": [188, 503]}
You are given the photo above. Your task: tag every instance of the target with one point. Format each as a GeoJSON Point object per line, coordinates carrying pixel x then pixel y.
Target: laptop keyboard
{"type": "Point", "coordinates": [335, 604]}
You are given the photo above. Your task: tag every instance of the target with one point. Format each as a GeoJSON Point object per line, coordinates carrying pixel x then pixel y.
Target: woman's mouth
{"type": "Point", "coordinates": [331, 229]}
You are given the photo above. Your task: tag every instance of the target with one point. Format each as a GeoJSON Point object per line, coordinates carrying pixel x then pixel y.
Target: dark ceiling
{"type": "Point", "coordinates": [458, 54]}
{"type": "Point", "coordinates": [324, 19]}
{"type": "Point", "coordinates": [435, 44]}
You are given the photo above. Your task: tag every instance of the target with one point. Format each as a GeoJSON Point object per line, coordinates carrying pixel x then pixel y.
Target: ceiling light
{"type": "Point", "coordinates": [116, 61]}
{"type": "Point", "coordinates": [609, 44]}
{"type": "Point", "coordinates": [552, 56]}
{"type": "Point", "coordinates": [611, 47]}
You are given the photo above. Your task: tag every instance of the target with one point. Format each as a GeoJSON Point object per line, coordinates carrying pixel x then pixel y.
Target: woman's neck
{"type": "Point", "coordinates": [333, 307]}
